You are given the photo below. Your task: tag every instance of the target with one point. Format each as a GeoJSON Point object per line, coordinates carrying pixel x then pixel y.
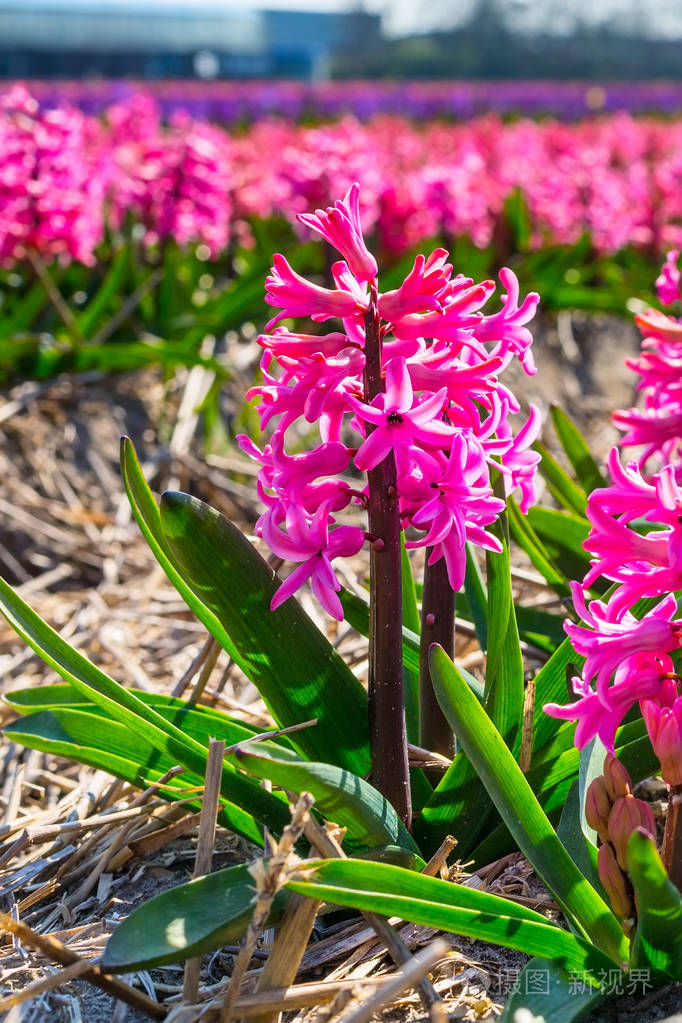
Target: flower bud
{"type": "Point", "coordinates": [664, 725]}
{"type": "Point", "coordinates": [628, 813]}
{"type": "Point", "coordinates": [615, 882]}
{"type": "Point", "coordinates": [616, 778]}
{"type": "Point", "coordinates": [598, 807]}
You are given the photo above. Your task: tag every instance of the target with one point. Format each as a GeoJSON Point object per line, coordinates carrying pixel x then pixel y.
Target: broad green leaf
{"type": "Point", "coordinates": [339, 795]}
{"type": "Point", "coordinates": [575, 842]}
{"type": "Point", "coordinates": [562, 535]}
{"type": "Point", "coordinates": [518, 217]}
{"type": "Point", "coordinates": [187, 920]}
{"type": "Point", "coordinates": [26, 310]}
{"type": "Point", "coordinates": [591, 767]}
{"type": "Point", "coordinates": [658, 940]}
{"type": "Point", "coordinates": [552, 779]}
{"type": "Point", "coordinates": [520, 810]}
{"type": "Point", "coordinates": [567, 492]}
{"type": "Point", "coordinates": [198, 721]}
{"type": "Point", "coordinates": [296, 670]}
{"type": "Point", "coordinates": [587, 470]}
{"type": "Point", "coordinates": [91, 736]}
{"type": "Point", "coordinates": [551, 995]}
{"type": "Point", "coordinates": [391, 891]}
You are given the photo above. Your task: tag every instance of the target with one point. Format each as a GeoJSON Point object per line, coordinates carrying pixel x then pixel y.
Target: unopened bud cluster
{"type": "Point", "coordinates": [612, 809]}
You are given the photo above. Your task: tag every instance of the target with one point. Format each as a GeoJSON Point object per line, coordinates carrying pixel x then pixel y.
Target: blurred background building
{"type": "Point", "coordinates": [116, 38]}
{"type": "Point", "coordinates": [400, 39]}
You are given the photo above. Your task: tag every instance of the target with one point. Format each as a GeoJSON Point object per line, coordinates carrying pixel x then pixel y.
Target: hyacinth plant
{"type": "Point", "coordinates": [401, 416]}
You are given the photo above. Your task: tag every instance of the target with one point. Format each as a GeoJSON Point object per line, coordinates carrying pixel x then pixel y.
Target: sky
{"type": "Point", "coordinates": [649, 18]}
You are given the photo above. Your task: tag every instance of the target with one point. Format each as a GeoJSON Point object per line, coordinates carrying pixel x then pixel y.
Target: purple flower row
{"type": "Point", "coordinates": [235, 102]}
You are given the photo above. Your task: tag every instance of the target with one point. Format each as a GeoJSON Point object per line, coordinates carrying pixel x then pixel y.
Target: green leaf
{"type": "Point", "coordinates": [504, 664]}
{"type": "Point", "coordinates": [567, 492]}
{"type": "Point", "coordinates": [198, 721]}
{"type": "Point", "coordinates": [658, 940]}
{"type": "Point", "coordinates": [477, 598]}
{"type": "Point", "coordinates": [587, 470]}
{"type": "Point", "coordinates": [562, 535]}
{"type": "Point", "coordinates": [101, 742]}
{"type": "Point", "coordinates": [530, 542]}
{"type": "Point", "coordinates": [391, 891]}
{"type": "Point", "coordinates": [339, 795]}
{"type": "Point", "coordinates": [296, 670]}
{"type": "Point", "coordinates": [110, 288]}
{"type": "Point", "coordinates": [518, 217]}
{"type": "Point", "coordinates": [575, 842]}
{"type": "Point", "coordinates": [551, 995]}
{"type": "Point", "coordinates": [186, 921]}
{"type": "Point", "coordinates": [520, 810]}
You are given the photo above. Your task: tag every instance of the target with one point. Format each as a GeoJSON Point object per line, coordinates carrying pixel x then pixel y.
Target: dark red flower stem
{"type": "Point", "coordinates": [388, 737]}
{"type": "Point", "coordinates": [672, 837]}
{"type": "Point", "coordinates": [437, 626]}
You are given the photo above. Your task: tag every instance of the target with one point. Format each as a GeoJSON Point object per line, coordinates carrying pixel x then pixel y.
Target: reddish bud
{"type": "Point", "coordinates": [616, 778]}
{"type": "Point", "coordinates": [615, 882]}
{"type": "Point", "coordinates": [598, 808]}
{"type": "Point", "coordinates": [628, 813]}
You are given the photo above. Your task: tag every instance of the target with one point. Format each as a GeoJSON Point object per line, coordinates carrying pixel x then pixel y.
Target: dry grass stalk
{"type": "Point", "coordinates": [53, 949]}
{"type": "Point", "coordinates": [438, 862]}
{"type": "Point", "coordinates": [204, 856]}
{"type": "Point", "coordinates": [269, 876]}
{"type": "Point", "coordinates": [409, 975]}
{"type": "Point", "coordinates": [288, 948]}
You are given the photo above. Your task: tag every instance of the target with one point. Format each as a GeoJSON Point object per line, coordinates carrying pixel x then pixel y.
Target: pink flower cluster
{"type": "Point", "coordinates": [175, 181]}
{"type": "Point", "coordinates": [65, 177]}
{"type": "Point", "coordinates": [636, 543]}
{"type": "Point", "coordinates": [50, 201]}
{"type": "Point", "coordinates": [444, 415]}
{"type": "Point", "coordinates": [656, 427]}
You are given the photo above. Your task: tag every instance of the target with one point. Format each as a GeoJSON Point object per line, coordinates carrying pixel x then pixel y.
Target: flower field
{"type": "Point", "coordinates": [411, 656]}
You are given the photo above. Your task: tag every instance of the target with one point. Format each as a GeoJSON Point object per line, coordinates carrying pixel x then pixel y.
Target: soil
{"type": "Point", "coordinates": [68, 543]}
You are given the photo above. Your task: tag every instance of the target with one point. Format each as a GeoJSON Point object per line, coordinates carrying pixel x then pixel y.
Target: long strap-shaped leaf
{"type": "Point", "coordinates": [119, 703]}
{"type": "Point", "coordinates": [93, 736]}
{"type": "Point", "coordinates": [227, 584]}
{"type": "Point", "coordinates": [341, 796]}
{"type": "Point", "coordinates": [504, 664]}
{"type": "Point", "coordinates": [658, 941]}
{"type": "Point", "coordinates": [296, 670]}
{"type": "Point", "coordinates": [520, 810]}
{"type": "Point", "coordinates": [393, 891]}
{"type": "Point", "coordinates": [49, 733]}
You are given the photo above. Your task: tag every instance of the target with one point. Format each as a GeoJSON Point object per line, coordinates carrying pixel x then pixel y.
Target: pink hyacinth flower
{"type": "Point", "coordinates": [340, 226]}
{"type": "Point", "coordinates": [461, 506]}
{"type": "Point", "coordinates": [637, 678]}
{"type": "Point", "coordinates": [668, 281]}
{"type": "Point", "coordinates": [399, 424]}
{"type": "Point", "coordinates": [311, 542]}
{"type": "Point", "coordinates": [663, 718]}
{"type": "Point", "coordinates": [613, 636]}
{"type": "Point", "coordinates": [298, 297]}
